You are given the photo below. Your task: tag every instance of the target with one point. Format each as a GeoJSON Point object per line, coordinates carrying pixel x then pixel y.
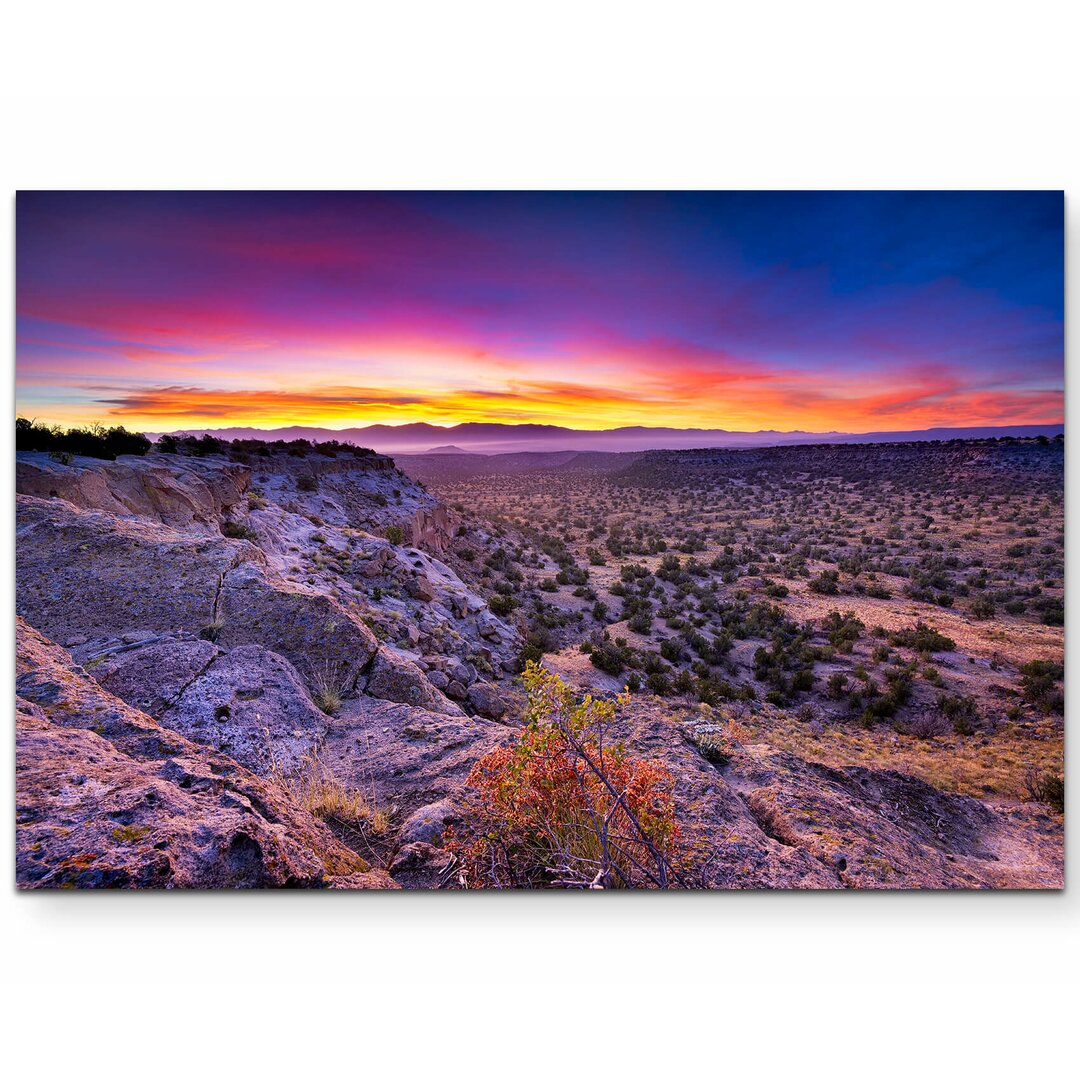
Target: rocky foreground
{"type": "Point", "coordinates": [196, 635]}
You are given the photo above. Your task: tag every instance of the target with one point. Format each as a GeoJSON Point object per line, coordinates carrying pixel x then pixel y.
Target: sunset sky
{"type": "Point", "coordinates": [832, 311]}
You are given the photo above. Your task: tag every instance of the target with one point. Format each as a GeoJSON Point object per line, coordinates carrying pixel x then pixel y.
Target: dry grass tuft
{"type": "Point", "coordinates": [329, 686]}
{"type": "Point", "coordinates": [315, 787]}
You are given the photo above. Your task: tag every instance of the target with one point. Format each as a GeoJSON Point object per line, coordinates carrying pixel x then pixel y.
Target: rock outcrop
{"type": "Point", "coordinates": [152, 675]}
{"type": "Point", "coordinates": [256, 607]}
{"type": "Point", "coordinates": [396, 678]}
{"type": "Point", "coordinates": [250, 703]}
{"type": "Point", "coordinates": [408, 756]}
{"type": "Point", "coordinates": [431, 529]}
{"type": "Point", "coordinates": [197, 659]}
{"type": "Point", "coordinates": [180, 492]}
{"type": "Point", "coordinates": [107, 798]}
{"type": "Point", "coordinates": [134, 548]}
{"type": "Point", "coordinates": [769, 819]}
{"type": "Point", "coordinates": [89, 574]}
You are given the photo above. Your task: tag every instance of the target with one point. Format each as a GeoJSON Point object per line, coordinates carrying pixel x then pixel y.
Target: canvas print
{"type": "Point", "coordinates": [540, 540]}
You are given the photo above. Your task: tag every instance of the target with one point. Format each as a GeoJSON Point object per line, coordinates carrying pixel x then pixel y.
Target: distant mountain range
{"type": "Point", "coordinates": [483, 438]}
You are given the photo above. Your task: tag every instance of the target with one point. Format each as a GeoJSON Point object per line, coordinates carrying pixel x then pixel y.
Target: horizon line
{"type": "Point", "coordinates": [600, 431]}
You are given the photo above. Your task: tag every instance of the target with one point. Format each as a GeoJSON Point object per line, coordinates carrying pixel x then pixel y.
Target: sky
{"type": "Point", "coordinates": [814, 311]}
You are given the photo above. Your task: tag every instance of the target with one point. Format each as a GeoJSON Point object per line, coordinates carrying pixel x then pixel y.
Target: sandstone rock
{"type": "Point", "coordinates": [92, 573]}
{"type": "Point", "coordinates": [105, 798]}
{"type": "Point", "coordinates": [153, 677]}
{"type": "Point", "coordinates": [419, 588]}
{"type": "Point", "coordinates": [376, 564]}
{"type": "Point", "coordinates": [431, 529]}
{"type": "Point", "coordinates": [438, 679]}
{"type": "Point", "coordinates": [98, 574]}
{"type": "Point", "coordinates": [456, 691]}
{"type": "Point", "coordinates": [773, 820]}
{"type": "Point", "coordinates": [429, 822]}
{"type": "Point", "coordinates": [250, 704]}
{"type": "Point", "coordinates": [487, 701]}
{"type": "Point", "coordinates": [406, 755]}
{"type": "Point", "coordinates": [181, 492]}
{"type": "Point", "coordinates": [489, 627]}
{"type": "Point", "coordinates": [394, 678]}
{"type": "Point", "coordinates": [462, 671]}
{"type": "Point", "coordinates": [256, 607]}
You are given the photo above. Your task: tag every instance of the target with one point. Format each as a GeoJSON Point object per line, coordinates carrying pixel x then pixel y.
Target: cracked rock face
{"type": "Point", "coordinates": [175, 743]}
{"type": "Point", "coordinates": [250, 703]}
{"type": "Point", "coordinates": [90, 572]}
{"type": "Point", "coordinates": [93, 573]}
{"type": "Point", "coordinates": [311, 630]}
{"type": "Point", "coordinates": [152, 677]}
{"type": "Point", "coordinates": [107, 798]}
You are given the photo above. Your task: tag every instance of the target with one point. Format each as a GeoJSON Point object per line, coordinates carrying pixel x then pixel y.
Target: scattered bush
{"type": "Point", "coordinates": [235, 531]}
{"type": "Point", "coordinates": [961, 711]}
{"type": "Point", "coordinates": [1046, 788]}
{"type": "Point", "coordinates": [564, 807]}
{"type": "Point", "coordinates": [927, 725]}
{"type": "Point", "coordinates": [923, 639]}
{"type": "Point", "coordinates": [1038, 680]}
{"type": "Point", "coordinates": [502, 604]}
{"type": "Point", "coordinates": [714, 747]}
{"type": "Point", "coordinates": [827, 583]}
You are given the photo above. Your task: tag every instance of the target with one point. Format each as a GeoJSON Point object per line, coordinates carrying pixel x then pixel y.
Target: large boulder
{"type": "Point", "coordinates": [251, 704]}
{"type": "Point", "coordinates": [153, 676]}
{"type": "Point", "coordinates": [486, 700]}
{"type": "Point", "coordinates": [393, 677]}
{"type": "Point", "coordinates": [420, 588]}
{"type": "Point", "coordinates": [255, 606]}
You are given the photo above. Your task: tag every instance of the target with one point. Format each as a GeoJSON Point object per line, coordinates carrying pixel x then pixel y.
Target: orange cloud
{"type": "Point", "coordinates": [794, 402]}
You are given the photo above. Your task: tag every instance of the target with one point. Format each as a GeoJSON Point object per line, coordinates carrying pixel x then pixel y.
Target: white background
{"type": "Point", "coordinates": [755, 95]}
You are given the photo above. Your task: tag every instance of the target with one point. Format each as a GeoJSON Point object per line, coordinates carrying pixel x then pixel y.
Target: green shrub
{"type": "Point", "coordinates": [922, 639]}
{"type": "Point", "coordinates": [827, 583]}
{"type": "Point", "coordinates": [502, 604]}
{"type": "Point", "coordinates": [235, 531]}
{"type": "Point", "coordinates": [1046, 788]}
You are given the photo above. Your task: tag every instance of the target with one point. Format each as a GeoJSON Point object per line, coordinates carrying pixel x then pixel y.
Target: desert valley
{"type": "Point", "coordinates": [304, 664]}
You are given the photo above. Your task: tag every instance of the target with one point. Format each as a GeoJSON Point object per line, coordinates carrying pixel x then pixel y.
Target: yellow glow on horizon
{"type": "Point", "coordinates": [565, 406]}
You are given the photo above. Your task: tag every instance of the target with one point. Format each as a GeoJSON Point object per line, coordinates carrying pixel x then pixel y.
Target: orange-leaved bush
{"type": "Point", "coordinates": [564, 808]}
